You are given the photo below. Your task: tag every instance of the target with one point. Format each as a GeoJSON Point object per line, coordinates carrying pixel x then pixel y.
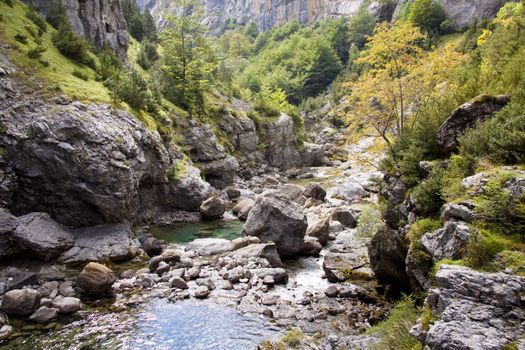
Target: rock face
{"type": "Point", "coordinates": [8, 223]}
{"type": "Point", "coordinates": [466, 116]}
{"type": "Point", "coordinates": [88, 164]}
{"type": "Point", "coordinates": [475, 310]}
{"type": "Point", "coordinates": [275, 218]}
{"type": "Point", "coordinates": [114, 242]}
{"type": "Point", "coordinates": [40, 234]}
{"type": "Point", "coordinates": [101, 22]}
{"type": "Point", "coordinates": [279, 138]}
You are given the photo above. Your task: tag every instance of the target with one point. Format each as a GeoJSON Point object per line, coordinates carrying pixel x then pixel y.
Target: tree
{"type": "Point", "coordinates": [56, 13]}
{"type": "Point", "coordinates": [427, 15]}
{"type": "Point", "coordinates": [188, 60]}
{"type": "Point", "coordinates": [149, 27]}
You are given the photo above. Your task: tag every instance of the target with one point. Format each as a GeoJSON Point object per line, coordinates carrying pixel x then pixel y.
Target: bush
{"type": "Point", "coordinates": [427, 15]}
{"type": "Point", "coordinates": [21, 38]}
{"type": "Point", "coordinates": [56, 13]}
{"type": "Point", "coordinates": [369, 222]}
{"type": "Point", "coordinates": [80, 75]}
{"type": "Point", "coordinates": [148, 55]}
{"type": "Point", "coordinates": [37, 19]}
{"type": "Point", "coordinates": [482, 249]}
{"type": "Point", "coordinates": [110, 64]}
{"type": "Point", "coordinates": [36, 52]}
{"type": "Point", "coordinates": [427, 195]}
{"type": "Point", "coordinates": [131, 88]}
{"type": "Point", "coordinates": [73, 46]}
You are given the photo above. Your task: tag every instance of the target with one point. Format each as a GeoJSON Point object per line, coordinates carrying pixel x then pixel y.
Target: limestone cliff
{"type": "Point", "coordinates": [101, 22]}
{"type": "Point", "coordinates": [270, 13]}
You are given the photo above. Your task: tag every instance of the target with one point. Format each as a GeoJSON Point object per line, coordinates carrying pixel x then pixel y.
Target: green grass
{"type": "Point", "coordinates": [58, 76]}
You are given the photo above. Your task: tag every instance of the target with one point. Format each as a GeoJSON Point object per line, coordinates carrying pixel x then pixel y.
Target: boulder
{"type": "Point", "coordinates": [387, 252]}
{"type": "Point", "coordinates": [152, 246]}
{"type": "Point", "coordinates": [67, 305]}
{"type": "Point", "coordinates": [474, 310]}
{"type": "Point", "coordinates": [275, 218]}
{"type": "Point", "coordinates": [242, 242]}
{"type": "Point", "coordinates": [178, 282]}
{"type": "Point", "coordinates": [212, 208]}
{"type": "Point", "coordinates": [319, 230]}
{"type": "Point", "coordinates": [233, 192]}
{"type": "Point", "coordinates": [294, 192]}
{"type": "Point", "coordinates": [449, 242]}
{"type": "Point", "coordinates": [96, 279]}
{"type": "Point", "coordinates": [315, 191]}
{"type": "Point", "coordinates": [346, 216]}
{"type": "Point", "coordinates": [467, 116]}
{"type": "Point", "coordinates": [331, 291]}
{"type": "Point", "coordinates": [267, 251]}
{"type": "Point", "coordinates": [20, 302]}
{"type": "Point", "coordinates": [8, 224]}
{"type": "Point", "coordinates": [169, 256]}
{"type": "Point", "coordinates": [201, 292]}
{"type": "Point", "coordinates": [114, 242]}
{"type": "Point", "coordinates": [44, 315]}
{"type": "Point", "coordinates": [40, 234]}
{"type": "Point", "coordinates": [243, 208]}
{"type": "Point", "coordinates": [311, 246]}
{"type": "Point", "coordinates": [220, 173]}
{"type": "Point", "coordinates": [208, 246]}
{"type": "Point", "coordinates": [15, 278]}
{"type": "Point", "coordinates": [456, 212]}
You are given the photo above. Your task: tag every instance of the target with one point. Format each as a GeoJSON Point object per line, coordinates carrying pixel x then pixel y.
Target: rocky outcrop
{"type": "Point", "coordinates": [280, 140]}
{"type": "Point", "coordinates": [275, 218]}
{"type": "Point", "coordinates": [88, 164]}
{"type": "Point", "coordinates": [466, 117]}
{"type": "Point", "coordinates": [449, 242]}
{"type": "Point", "coordinates": [101, 22]}
{"type": "Point", "coordinates": [474, 310]}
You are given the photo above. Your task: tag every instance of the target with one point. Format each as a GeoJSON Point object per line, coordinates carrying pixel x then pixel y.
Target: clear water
{"type": "Point", "coordinates": [228, 229]}
{"type": "Point", "coordinates": [160, 325]}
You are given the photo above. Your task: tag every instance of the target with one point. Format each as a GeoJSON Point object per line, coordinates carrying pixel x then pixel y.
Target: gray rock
{"type": "Point", "coordinates": [311, 246]}
{"type": "Point", "coordinates": [40, 234]}
{"type": "Point", "coordinates": [114, 242]}
{"type": "Point", "coordinates": [319, 230]}
{"type": "Point", "coordinates": [177, 282]}
{"type": "Point", "coordinates": [208, 246]}
{"type": "Point", "coordinates": [467, 116]}
{"type": "Point", "coordinates": [276, 218]}
{"type": "Point", "coordinates": [44, 315]}
{"type": "Point", "coordinates": [5, 332]}
{"type": "Point", "coordinates": [279, 274]}
{"type": "Point", "coordinates": [243, 208]}
{"type": "Point", "coordinates": [447, 242]}
{"type": "Point", "coordinates": [456, 212]}
{"type": "Point", "coordinates": [267, 251]}
{"type": "Point", "coordinates": [212, 208]}
{"type": "Point", "coordinates": [14, 278]}
{"type": "Point", "coordinates": [346, 216]}
{"type": "Point", "coordinates": [315, 191]}
{"type": "Point", "coordinates": [8, 224]}
{"type": "Point", "coordinates": [294, 192]}
{"type": "Point", "coordinates": [193, 273]}
{"type": "Point", "coordinates": [67, 305]}
{"type": "Point", "coordinates": [270, 299]}
{"type": "Point", "coordinates": [152, 246]}
{"type": "Point", "coordinates": [20, 302]}
{"type": "Point", "coordinates": [169, 256]}
{"type": "Point", "coordinates": [96, 279]}
{"type": "Point", "coordinates": [475, 310]}
{"type": "Point", "coordinates": [242, 242]}
{"type": "Point", "coordinates": [233, 192]}
{"type": "Point", "coordinates": [201, 292]}
{"type": "Point", "coordinates": [331, 291]}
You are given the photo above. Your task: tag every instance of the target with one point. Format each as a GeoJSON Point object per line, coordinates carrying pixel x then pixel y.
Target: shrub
{"type": "Point", "coordinates": [73, 46]}
{"type": "Point", "coordinates": [110, 64]}
{"type": "Point", "coordinates": [482, 249]}
{"type": "Point", "coordinates": [393, 333]}
{"type": "Point", "coordinates": [10, 3]}
{"type": "Point", "coordinates": [427, 15]}
{"type": "Point", "coordinates": [427, 194]}
{"type": "Point", "coordinates": [21, 38]}
{"type": "Point", "coordinates": [148, 55]}
{"type": "Point", "coordinates": [80, 75]}
{"type": "Point", "coordinates": [369, 222]}
{"type": "Point", "coordinates": [36, 52]}
{"type": "Point", "coordinates": [131, 88]}
{"type": "Point", "coordinates": [56, 13]}
{"type": "Point", "coordinates": [293, 337]}
{"type": "Point", "coordinates": [37, 20]}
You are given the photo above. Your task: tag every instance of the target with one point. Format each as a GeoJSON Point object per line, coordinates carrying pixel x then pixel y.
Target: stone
{"type": "Point", "coordinates": [294, 192]}
{"type": "Point", "coordinates": [8, 224]}
{"type": "Point", "coordinates": [168, 256]}
{"type": "Point", "coordinates": [44, 315]}
{"type": "Point", "coordinates": [193, 272]}
{"type": "Point", "coordinates": [315, 191]}
{"type": "Point", "coordinates": [346, 216]}
{"type": "Point", "coordinates": [5, 332]}
{"type": "Point", "coordinates": [311, 246]}
{"type": "Point", "coordinates": [113, 242]}
{"type": "Point", "coordinates": [152, 246]}
{"type": "Point", "coordinates": [267, 251]}
{"type": "Point", "coordinates": [201, 292]}
{"type": "Point", "coordinates": [162, 268]}
{"type": "Point", "coordinates": [279, 274]}
{"type": "Point", "coordinates": [234, 275]}
{"type": "Point", "coordinates": [20, 302]}
{"type": "Point", "coordinates": [387, 252]}
{"type": "Point", "coordinates": [331, 291]}
{"type": "Point", "coordinates": [270, 299]}
{"type": "Point", "coordinates": [206, 282]}
{"type": "Point", "coordinates": [467, 116]}
{"type": "Point", "coordinates": [40, 234]}
{"type": "Point", "coordinates": [449, 242]}
{"type": "Point", "coordinates": [177, 282]}
{"type": "Point", "coordinates": [208, 246]}
{"type": "Point", "coordinates": [242, 242]}
{"type": "Point", "coordinates": [475, 310]}
{"type": "Point", "coordinates": [212, 208]}
{"type": "Point", "coordinates": [96, 279]}
{"type": "Point", "coordinates": [15, 278]}
{"type": "Point", "coordinates": [67, 305]}
{"type": "Point", "coordinates": [47, 289]}
{"type": "Point", "coordinates": [320, 230]}
{"type": "Point", "coordinates": [243, 208]}
{"type": "Point", "coordinates": [457, 212]}
{"type": "Point", "coordinates": [233, 192]}
{"type": "Point", "coordinates": [275, 218]}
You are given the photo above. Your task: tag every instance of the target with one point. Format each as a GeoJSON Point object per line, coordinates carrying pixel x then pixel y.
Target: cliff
{"type": "Point", "coordinates": [101, 22]}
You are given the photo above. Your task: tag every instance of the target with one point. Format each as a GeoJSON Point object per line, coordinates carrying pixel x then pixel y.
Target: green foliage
{"type": "Point", "coordinates": [427, 15]}
{"type": "Point", "coordinates": [427, 194]}
{"type": "Point", "coordinates": [148, 54]}
{"type": "Point", "coordinates": [73, 46]}
{"type": "Point", "coordinates": [418, 229]}
{"type": "Point", "coordinates": [110, 64]}
{"type": "Point", "coordinates": [131, 88]}
{"type": "Point", "coordinates": [140, 25]}
{"type": "Point", "coordinates": [482, 249]}
{"type": "Point", "coordinates": [369, 222]}
{"type": "Point", "coordinates": [8, 2]}
{"type": "Point", "coordinates": [56, 13]}
{"type": "Point", "coordinates": [21, 38]}
{"type": "Point", "coordinates": [176, 171]}
{"type": "Point", "coordinates": [393, 333]}
{"type": "Point", "coordinates": [293, 337]}
{"type": "Point", "coordinates": [36, 52]}
{"type": "Point", "coordinates": [37, 19]}
{"type": "Point", "coordinates": [81, 75]}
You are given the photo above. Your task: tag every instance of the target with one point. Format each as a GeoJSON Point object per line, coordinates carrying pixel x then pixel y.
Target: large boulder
{"type": "Point", "coordinates": [275, 218]}
{"type": "Point", "coordinates": [212, 208]}
{"type": "Point", "coordinates": [114, 242]}
{"type": "Point", "coordinates": [208, 246]}
{"type": "Point", "coordinates": [320, 230]}
{"type": "Point", "coordinates": [8, 224]}
{"type": "Point", "coordinates": [20, 302]}
{"type": "Point", "coordinates": [387, 252]}
{"type": "Point", "coordinates": [40, 234]}
{"type": "Point", "coordinates": [267, 251]}
{"type": "Point", "coordinates": [243, 208]}
{"type": "Point", "coordinates": [467, 116]}
{"type": "Point", "coordinates": [96, 279]}
{"type": "Point", "coordinates": [449, 242]}
{"type": "Point", "coordinates": [315, 191]}
{"type": "Point", "coordinates": [346, 216]}
{"type": "Point", "coordinates": [474, 310]}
